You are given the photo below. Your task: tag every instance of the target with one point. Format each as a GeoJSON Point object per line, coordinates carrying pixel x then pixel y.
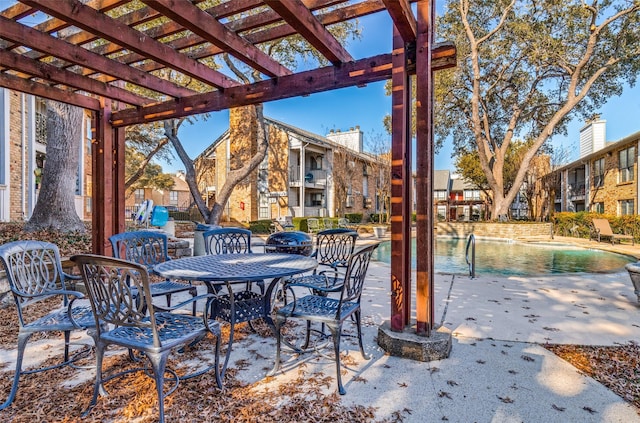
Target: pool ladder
{"type": "Point", "coordinates": [471, 243]}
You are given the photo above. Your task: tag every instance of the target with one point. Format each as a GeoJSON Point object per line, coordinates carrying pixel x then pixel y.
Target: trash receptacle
{"type": "Point", "coordinates": [198, 238]}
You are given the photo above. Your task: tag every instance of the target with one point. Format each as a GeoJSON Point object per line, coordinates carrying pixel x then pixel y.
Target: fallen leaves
{"type": "Point", "coordinates": [616, 367]}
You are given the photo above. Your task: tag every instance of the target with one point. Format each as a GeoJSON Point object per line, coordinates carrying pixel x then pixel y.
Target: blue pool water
{"type": "Point", "coordinates": [515, 258]}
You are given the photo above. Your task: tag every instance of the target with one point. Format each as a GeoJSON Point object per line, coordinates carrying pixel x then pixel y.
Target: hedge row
{"type": "Point", "coordinates": [579, 224]}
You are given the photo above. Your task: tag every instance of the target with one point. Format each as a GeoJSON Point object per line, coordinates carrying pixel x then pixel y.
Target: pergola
{"type": "Point", "coordinates": [83, 56]}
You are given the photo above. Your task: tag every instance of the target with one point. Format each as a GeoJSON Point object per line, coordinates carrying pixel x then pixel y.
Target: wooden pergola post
{"type": "Point", "coordinates": [400, 187]}
{"type": "Point", "coordinates": [424, 170]}
{"type": "Point", "coordinates": [107, 196]}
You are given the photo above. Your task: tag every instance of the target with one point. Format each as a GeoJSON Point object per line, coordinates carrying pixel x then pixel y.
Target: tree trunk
{"type": "Point", "coordinates": [500, 207]}
{"type": "Point", "coordinates": [55, 207]}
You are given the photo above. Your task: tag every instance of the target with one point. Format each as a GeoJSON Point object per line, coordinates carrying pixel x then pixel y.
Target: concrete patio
{"type": "Point", "coordinates": [498, 370]}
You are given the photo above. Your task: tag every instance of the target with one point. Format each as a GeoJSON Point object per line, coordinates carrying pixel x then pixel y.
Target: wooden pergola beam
{"type": "Point", "coordinates": [238, 25]}
{"type": "Point", "coordinates": [49, 72]}
{"type": "Point", "coordinates": [16, 11]}
{"type": "Point", "coordinates": [268, 17]}
{"type": "Point", "coordinates": [356, 73]}
{"type": "Point", "coordinates": [403, 19]}
{"type": "Point", "coordinates": [41, 90]}
{"type": "Point", "coordinates": [26, 36]}
{"type": "Point", "coordinates": [207, 27]}
{"type": "Point", "coordinates": [55, 24]}
{"type": "Point", "coordinates": [296, 14]}
{"type": "Point", "coordinates": [135, 17]}
{"type": "Point", "coordinates": [350, 74]}
{"type": "Point", "coordinates": [91, 20]}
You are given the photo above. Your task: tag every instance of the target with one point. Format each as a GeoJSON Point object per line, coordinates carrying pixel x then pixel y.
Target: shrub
{"type": "Point", "coordinates": [353, 217]}
{"type": "Point", "coordinates": [579, 224]}
{"type": "Point", "coordinates": [375, 218]}
{"type": "Point", "coordinates": [260, 226]}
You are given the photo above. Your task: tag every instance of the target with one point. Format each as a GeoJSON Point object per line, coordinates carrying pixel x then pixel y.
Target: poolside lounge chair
{"type": "Point", "coordinates": [601, 228]}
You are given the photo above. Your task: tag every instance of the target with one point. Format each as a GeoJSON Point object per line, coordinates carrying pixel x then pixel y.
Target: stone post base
{"type": "Point", "coordinates": [409, 345]}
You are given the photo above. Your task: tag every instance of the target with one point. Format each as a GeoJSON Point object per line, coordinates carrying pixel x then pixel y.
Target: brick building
{"type": "Point", "coordinates": [23, 151]}
{"type": "Point", "coordinates": [605, 177]}
{"type": "Point", "coordinates": [178, 197]}
{"type": "Point", "coordinates": [303, 174]}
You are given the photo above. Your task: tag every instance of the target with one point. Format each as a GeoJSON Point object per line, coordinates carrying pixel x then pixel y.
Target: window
{"type": "Point", "coordinates": [626, 207]}
{"type": "Point", "coordinates": [41, 121]}
{"type": "Point", "coordinates": [173, 198]}
{"type": "Point", "coordinates": [365, 186]}
{"type": "Point", "coordinates": [138, 196]}
{"type": "Point", "coordinates": [264, 210]}
{"type": "Point", "coordinates": [598, 172]}
{"type": "Point", "coordinates": [625, 164]}
{"type": "Point", "coordinates": [316, 163]}
{"type": "Point", "coordinates": [440, 195]}
{"type": "Point", "coordinates": [597, 207]}
{"type": "Point", "coordinates": [471, 194]}
{"type": "Point", "coordinates": [576, 182]}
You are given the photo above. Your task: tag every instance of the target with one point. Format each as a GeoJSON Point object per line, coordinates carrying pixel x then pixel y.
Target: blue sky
{"type": "Point", "coordinates": [366, 107]}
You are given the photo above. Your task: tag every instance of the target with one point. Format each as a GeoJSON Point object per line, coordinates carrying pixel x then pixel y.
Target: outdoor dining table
{"type": "Point", "coordinates": [225, 270]}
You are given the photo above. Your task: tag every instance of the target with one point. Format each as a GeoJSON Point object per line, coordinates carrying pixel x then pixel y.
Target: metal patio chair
{"type": "Point", "coordinates": [120, 296]}
{"type": "Point", "coordinates": [331, 312]}
{"type": "Point", "coordinates": [332, 250]}
{"type": "Point", "coordinates": [34, 272]}
{"type": "Point", "coordinates": [149, 248]}
{"type": "Point", "coordinates": [246, 303]}
{"type": "Point", "coordinates": [227, 241]}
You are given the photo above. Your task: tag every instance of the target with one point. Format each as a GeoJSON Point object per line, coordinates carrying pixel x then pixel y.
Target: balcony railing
{"type": "Point", "coordinates": [577, 190]}
{"type": "Point", "coordinates": [315, 177]}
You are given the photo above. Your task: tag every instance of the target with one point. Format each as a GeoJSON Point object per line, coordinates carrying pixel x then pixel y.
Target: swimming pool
{"type": "Point", "coordinates": [515, 258]}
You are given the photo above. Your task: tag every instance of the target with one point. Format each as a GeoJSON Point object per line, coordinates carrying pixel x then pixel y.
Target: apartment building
{"type": "Point", "coordinates": [23, 152]}
{"type": "Point", "coordinates": [303, 174]}
{"type": "Point", "coordinates": [177, 198]}
{"type": "Point", "coordinates": [605, 177]}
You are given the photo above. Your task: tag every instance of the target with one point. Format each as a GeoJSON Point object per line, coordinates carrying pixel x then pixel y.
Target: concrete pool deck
{"type": "Point", "coordinates": [498, 370]}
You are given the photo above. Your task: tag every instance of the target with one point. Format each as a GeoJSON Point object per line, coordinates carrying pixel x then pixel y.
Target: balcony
{"type": "Point", "coordinates": [577, 191]}
{"type": "Point", "coordinates": [316, 178]}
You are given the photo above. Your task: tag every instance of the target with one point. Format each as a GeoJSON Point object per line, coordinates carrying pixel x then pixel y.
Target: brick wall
{"type": "Point", "coordinates": [16, 157]}
{"type": "Point", "coordinates": [612, 191]}
{"type": "Point", "coordinates": [494, 230]}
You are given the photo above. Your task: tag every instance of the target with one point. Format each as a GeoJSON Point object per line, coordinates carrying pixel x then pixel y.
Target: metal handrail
{"type": "Point", "coordinates": [471, 242]}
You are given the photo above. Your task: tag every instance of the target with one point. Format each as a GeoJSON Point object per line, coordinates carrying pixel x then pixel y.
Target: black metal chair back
{"type": "Point", "coordinates": [34, 272]}
{"type": "Point", "coordinates": [335, 246]}
{"type": "Point", "coordinates": [227, 241]}
{"type": "Point", "coordinates": [120, 296]}
{"type": "Point", "coordinates": [143, 247]}
{"type": "Point", "coordinates": [149, 248]}
{"type": "Point", "coordinates": [355, 275]}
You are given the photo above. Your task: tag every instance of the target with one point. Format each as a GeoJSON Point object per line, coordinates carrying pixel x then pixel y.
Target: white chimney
{"type": "Point", "coordinates": [593, 136]}
{"type": "Point", "coordinates": [352, 139]}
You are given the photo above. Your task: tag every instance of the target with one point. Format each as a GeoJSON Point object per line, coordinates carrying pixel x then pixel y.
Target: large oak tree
{"type": "Point", "coordinates": [525, 69]}
{"type": "Point", "coordinates": [55, 207]}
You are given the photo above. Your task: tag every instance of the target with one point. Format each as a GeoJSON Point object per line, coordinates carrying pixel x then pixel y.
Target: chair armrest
{"type": "Point", "coordinates": [77, 294]}
{"type": "Point", "coordinates": [184, 303]}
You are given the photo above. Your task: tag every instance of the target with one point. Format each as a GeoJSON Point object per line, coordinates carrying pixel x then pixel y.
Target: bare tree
{"type": "Point", "coordinates": [343, 172]}
{"type": "Point", "coordinates": [380, 147]}
{"type": "Point", "coordinates": [525, 69]}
